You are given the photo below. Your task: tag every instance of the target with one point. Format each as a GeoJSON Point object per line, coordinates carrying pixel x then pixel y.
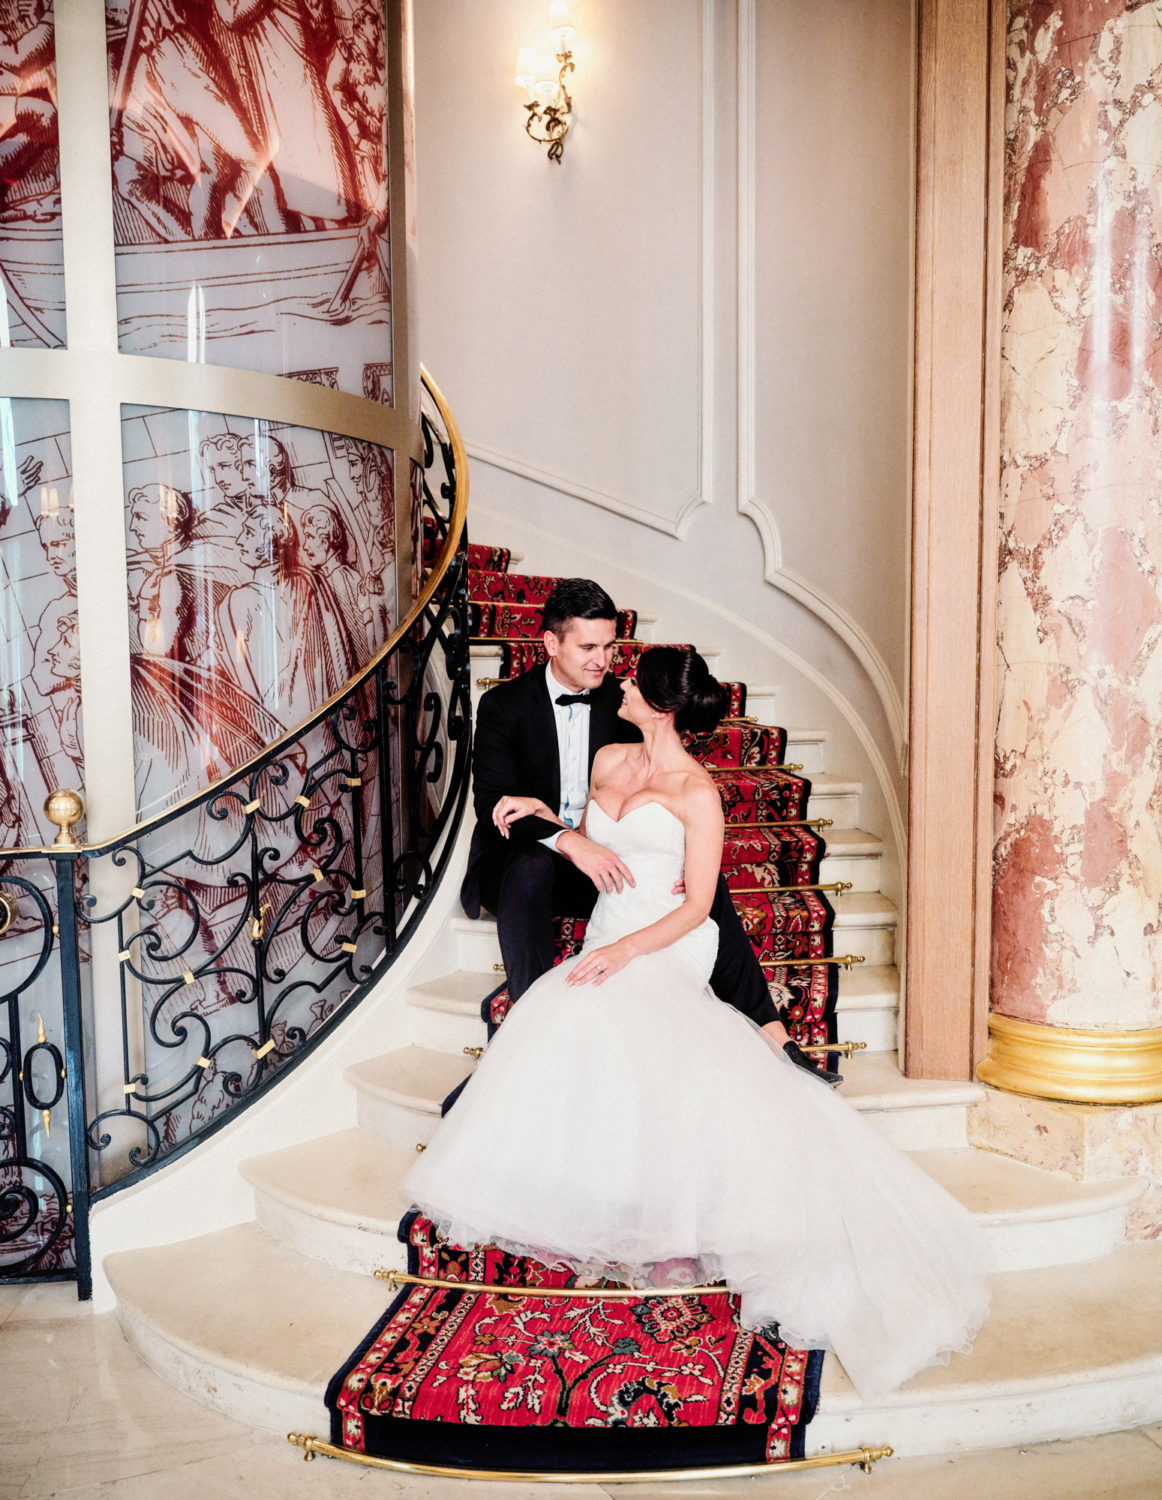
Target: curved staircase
{"type": "Point", "coordinates": [253, 1320]}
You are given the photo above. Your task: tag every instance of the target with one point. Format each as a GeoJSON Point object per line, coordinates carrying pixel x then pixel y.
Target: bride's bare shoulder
{"type": "Point", "coordinates": [608, 759]}
{"type": "Point", "coordinates": [698, 790]}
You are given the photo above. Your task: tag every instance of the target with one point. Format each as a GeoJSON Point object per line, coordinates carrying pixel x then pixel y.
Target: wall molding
{"type": "Point", "coordinates": [749, 504]}
{"type": "Point", "coordinates": [704, 456]}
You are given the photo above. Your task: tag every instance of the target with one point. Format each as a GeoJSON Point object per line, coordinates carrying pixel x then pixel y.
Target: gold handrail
{"type": "Point", "coordinates": [435, 578]}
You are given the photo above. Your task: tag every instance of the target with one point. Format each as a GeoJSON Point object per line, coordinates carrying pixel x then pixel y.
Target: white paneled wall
{"type": "Point", "coordinates": [686, 349]}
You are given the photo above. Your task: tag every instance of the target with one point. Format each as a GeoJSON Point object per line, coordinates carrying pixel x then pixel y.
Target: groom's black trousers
{"type": "Point", "coordinates": [530, 885]}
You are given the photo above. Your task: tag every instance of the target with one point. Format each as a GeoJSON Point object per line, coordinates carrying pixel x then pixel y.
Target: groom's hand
{"type": "Point", "coordinates": [601, 865]}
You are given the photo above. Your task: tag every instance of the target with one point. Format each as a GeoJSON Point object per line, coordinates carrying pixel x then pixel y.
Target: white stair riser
{"type": "Point", "coordinates": [841, 807]}
{"type": "Point", "coordinates": [245, 1399]}
{"type": "Point", "coordinates": [864, 874]}
{"type": "Point", "coordinates": [761, 706]}
{"type": "Point", "coordinates": [810, 754]}
{"type": "Point", "coordinates": [922, 1127]}
{"type": "Point", "coordinates": [877, 1029]}
{"type": "Point", "coordinates": [398, 1124]}
{"type": "Point", "coordinates": [876, 944]}
{"type": "Point", "coordinates": [1057, 1242]}
{"type": "Point", "coordinates": [477, 949]}
{"type": "Point", "coordinates": [344, 1246]}
{"type": "Point", "coordinates": [443, 1030]}
{"type": "Point", "coordinates": [1009, 1419]}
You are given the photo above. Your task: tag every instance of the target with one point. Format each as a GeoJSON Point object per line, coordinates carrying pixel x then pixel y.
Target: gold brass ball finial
{"type": "Point", "coordinates": [64, 808]}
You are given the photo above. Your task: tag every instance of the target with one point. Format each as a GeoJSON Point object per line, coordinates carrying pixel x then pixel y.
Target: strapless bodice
{"type": "Point", "coordinates": [651, 842]}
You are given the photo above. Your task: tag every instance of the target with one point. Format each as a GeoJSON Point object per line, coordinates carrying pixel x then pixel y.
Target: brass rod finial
{"type": "Point", "coordinates": [9, 911]}
{"type": "Point", "coordinates": [63, 808]}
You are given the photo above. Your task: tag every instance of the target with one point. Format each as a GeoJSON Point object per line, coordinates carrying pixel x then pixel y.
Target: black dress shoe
{"type": "Point", "coordinates": [802, 1060]}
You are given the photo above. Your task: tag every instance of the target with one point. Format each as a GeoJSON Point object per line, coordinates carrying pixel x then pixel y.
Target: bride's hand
{"type": "Point", "coordinates": [509, 809]}
{"type": "Point", "coordinates": [596, 967]}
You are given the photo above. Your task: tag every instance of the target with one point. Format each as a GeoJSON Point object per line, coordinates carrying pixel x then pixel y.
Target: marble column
{"type": "Point", "coordinates": [1077, 931]}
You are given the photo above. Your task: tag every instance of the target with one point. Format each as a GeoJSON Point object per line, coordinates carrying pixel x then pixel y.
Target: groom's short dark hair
{"type": "Point", "coordinates": [575, 599]}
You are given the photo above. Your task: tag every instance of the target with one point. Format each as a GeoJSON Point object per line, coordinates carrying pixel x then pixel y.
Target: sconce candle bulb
{"type": "Point", "coordinates": [549, 105]}
{"type": "Point", "coordinates": [526, 68]}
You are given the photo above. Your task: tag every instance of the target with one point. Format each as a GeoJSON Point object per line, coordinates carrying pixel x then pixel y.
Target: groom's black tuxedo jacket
{"type": "Point", "coordinates": [516, 754]}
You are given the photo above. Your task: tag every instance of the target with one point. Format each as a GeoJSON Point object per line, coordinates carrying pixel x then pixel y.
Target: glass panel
{"type": "Point", "coordinates": [32, 280]}
{"type": "Point", "coordinates": [249, 149]}
{"type": "Point", "coordinates": [261, 577]}
{"type": "Point", "coordinates": [40, 689]}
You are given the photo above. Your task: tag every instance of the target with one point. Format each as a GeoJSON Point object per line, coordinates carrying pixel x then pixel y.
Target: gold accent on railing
{"type": "Point", "coordinates": [863, 1457]}
{"type": "Point", "coordinates": [553, 1293]}
{"type": "Point", "coordinates": [847, 1048]}
{"type": "Point", "coordinates": [64, 808]}
{"type": "Point", "coordinates": [41, 1038]}
{"type": "Point", "coordinates": [137, 893]}
{"type": "Point", "coordinates": [252, 807]}
{"type": "Point", "coordinates": [476, 1052]}
{"type": "Point", "coordinates": [9, 911]}
{"type": "Point", "coordinates": [260, 1052]}
{"type": "Point", "coordinates": [838, 886]}
{"type": "Point", "coordinates": [357, 895]}
{"type": "Point", "coordinates": [420, 1146]}
{"type": "Point", "coordinates": [805, 963]}
{"type": "Point", "coordinates": [786, 823]}
{"type": "Point", "coordinates": [202, 1062]}
{"type": "Point", "coordinates": [431, 583]}
{"type": "Point", "coordinates": [257, 923]}
{"type": "Point", "coordinates": [1079, 1066]}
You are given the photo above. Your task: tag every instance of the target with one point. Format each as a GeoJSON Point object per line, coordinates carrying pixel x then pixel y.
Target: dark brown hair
{"type": "Point", "coordinates": [675, 680]}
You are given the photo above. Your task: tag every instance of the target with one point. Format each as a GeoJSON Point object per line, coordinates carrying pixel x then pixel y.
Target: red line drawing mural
{"type": "Point", "coordinates": [261, 577]}
{"type": "Point", "coordinates": [249, 150]}
{"type": "Point", "coordinates": [40, 689]}
{"type": "Point", "coordinates": [32, 304]}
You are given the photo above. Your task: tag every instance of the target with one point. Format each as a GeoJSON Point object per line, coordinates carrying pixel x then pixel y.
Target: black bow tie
{"type": "Point", "coordinates": [566, 700]}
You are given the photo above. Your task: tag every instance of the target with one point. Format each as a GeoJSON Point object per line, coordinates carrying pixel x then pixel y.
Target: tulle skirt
{"type": "Point", "coordinates": [643, 1129]}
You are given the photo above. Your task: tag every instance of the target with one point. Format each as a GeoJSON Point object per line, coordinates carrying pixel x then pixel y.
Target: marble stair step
{"type": "Point", "coordinates": [338, 1200]}
{"type": "Point", "coordinates": [867, 1006]}
{"type": "Point", "coordinates": [916, 1114]}
{"type": "Point", "coordinates": [243, 1323]}
{"type": "Point", "coordinates": [250, 1327]}
{"type": "Point", "coordinates": [1066, 1352]}
{"type": "Point", "coordinates": [851, 854]}
{"type": "Point", "coordinates": [399, 1095]}
{"type": "Point", "coordinates": [444, 1013]}
{"type": "Point", "coordinates": [837, 798]}
{"type": "Point", "coordinates": [806, 747]}
{"type": "Point", "coordinates": [335, 1199]}
{"type": "Point", "coordinates": [1034, 1218]}
{"type": "Point", "coordinates": [865, 924]}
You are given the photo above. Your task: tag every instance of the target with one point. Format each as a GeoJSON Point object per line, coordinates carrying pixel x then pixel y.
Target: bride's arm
{"type": "Point", "coordinates": [701, 814]}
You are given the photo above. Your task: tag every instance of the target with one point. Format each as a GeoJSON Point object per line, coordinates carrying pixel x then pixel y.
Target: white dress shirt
{"type": "Point", "coordinates": [572, 720]}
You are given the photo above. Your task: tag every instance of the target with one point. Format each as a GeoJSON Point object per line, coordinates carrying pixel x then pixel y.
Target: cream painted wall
{"type": "Point", "coordinates": [686, 350]}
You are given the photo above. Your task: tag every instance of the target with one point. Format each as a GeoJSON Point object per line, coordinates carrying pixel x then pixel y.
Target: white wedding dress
{"type": "Point", "coordinates": [624, 1125]}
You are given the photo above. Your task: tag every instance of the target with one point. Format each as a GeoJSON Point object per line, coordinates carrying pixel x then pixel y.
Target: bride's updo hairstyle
{"type": "Point", "coordinates": [675, 680]}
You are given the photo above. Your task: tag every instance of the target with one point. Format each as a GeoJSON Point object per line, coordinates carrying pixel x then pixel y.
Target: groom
{"type": "Point", "coordinates": [536, 736]}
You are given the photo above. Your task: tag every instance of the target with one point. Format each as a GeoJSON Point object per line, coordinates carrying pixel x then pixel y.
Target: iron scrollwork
{"type": "Point", "coordinates": [244, 922]}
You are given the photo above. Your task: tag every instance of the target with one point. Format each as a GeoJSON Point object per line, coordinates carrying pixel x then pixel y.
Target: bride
{"type": "Point", "coordinates": [627, 1123]}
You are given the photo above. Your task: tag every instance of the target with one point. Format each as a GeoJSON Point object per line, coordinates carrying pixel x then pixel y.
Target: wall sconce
{"type": "Point", "coordinates": [544, 79]}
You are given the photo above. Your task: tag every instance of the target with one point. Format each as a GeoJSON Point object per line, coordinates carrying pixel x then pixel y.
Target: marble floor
{"type": "Point", "coordinates": [82, 1418]}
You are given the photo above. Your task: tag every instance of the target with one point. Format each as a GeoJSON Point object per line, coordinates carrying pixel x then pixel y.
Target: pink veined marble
{"type": "Point", "coordinates": [1078, 856]}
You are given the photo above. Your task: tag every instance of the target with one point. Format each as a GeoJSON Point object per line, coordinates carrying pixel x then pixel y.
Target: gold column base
{"type": "Point", "coordinates": [1081, 1067]}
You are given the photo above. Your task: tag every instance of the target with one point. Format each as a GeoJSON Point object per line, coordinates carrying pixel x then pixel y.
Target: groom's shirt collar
{"type": "Point", "coordinates": [572, 725]}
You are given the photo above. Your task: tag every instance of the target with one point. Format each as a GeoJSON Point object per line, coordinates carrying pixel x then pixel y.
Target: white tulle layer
{"type": "Point", "coordinates": [642, 1121]}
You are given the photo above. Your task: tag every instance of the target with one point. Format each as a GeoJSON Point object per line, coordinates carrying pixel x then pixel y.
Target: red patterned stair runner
{"type": "Point", "coordinates": [760, 861]}
{"type": "Point", "coordinates": [489, 1380]}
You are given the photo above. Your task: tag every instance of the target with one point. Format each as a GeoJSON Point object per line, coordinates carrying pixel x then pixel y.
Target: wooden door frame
{"type": "Point", "coordinates": [956, 483]}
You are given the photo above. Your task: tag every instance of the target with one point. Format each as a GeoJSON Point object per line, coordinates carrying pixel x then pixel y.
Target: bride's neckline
{"type": "Point", "coordinates": [653, 802]}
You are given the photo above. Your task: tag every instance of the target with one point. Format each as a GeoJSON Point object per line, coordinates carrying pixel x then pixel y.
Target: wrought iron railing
{"type": "Point", "coordinates": [187, 964]}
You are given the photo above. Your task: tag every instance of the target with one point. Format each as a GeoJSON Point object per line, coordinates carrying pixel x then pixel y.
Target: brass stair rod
{"type": "Point", "coordinates": [838, 886]}
{"type": "Point", "coordinates": [785, 823]}
{"type": "Point", "coordinates": [599, 1293]}
{"type": "Point", "coordinates": [805, 963]}
{"type": "Point", "coordinates": [734, 770]}
{"type": "Point", "coordinates": [820, 1048]}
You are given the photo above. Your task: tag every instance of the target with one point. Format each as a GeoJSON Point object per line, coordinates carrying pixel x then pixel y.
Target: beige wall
{"type": "Point", "coordinates": [684, 354]}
